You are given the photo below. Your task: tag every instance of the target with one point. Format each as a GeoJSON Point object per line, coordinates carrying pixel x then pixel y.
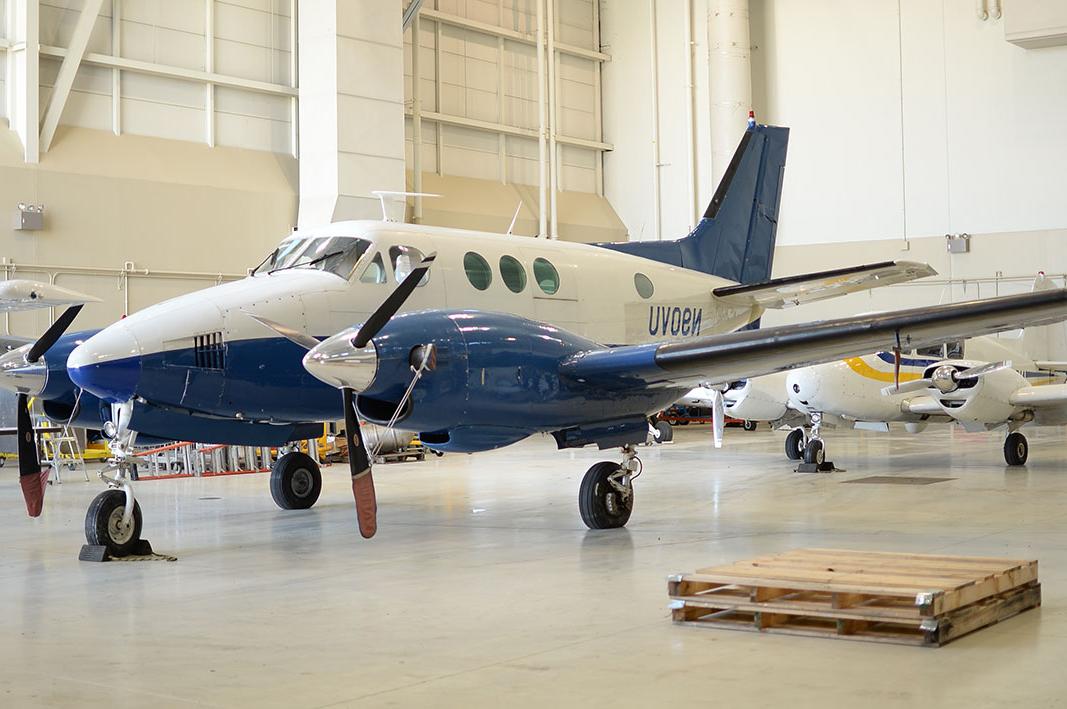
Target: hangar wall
{"type": "Point", "coordinates": [947, 128]}
{"type": "Point", "coordinates": [138, 206]}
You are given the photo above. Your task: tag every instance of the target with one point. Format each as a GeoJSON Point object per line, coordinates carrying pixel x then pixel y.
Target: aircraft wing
{"type": "Point", "coordinates": [1038, 396]}
{"type": "Point", "coordinates": [1051, 366]}
{"type": "Point", "coordinates": [786, 292]}
{"type": "Point", "coordinates": [20, 294]}
{"type": "Point", "coordinates": [751, 353]}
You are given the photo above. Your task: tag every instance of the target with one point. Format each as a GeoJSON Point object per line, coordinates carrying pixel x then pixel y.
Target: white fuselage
{"type": "Point", "coordinates": [593, 294]}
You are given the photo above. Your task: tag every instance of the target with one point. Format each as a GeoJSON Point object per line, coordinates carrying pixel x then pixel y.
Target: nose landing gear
{"type": "Point", "coordinates": [606, 496]}
{"type": "Point", "coordinates": [814, 451]}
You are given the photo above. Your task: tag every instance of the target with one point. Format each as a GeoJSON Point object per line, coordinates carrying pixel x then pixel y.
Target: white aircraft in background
{"type": "Point", "coordinates": [982, 383]}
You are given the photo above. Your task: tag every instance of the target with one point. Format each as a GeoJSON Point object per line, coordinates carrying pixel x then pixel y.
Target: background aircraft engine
{"type": "Point", "coordinates": [757, 399]}
{"type": "Point", "coordinates": [493, 379]}
{"type": "Point", "coordinates": [982, 399]}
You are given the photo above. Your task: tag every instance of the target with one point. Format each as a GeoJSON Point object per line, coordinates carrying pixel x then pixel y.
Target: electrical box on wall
{"type": "Point", "coordinates": [958, 243]}
{"type": "Point", "coordinates": [30, 217]}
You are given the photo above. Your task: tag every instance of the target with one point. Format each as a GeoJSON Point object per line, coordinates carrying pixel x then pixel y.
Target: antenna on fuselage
{"type": "Point", "coordinates": [382, 194]}
{"type": "Point", "coordinates": [515, 218]}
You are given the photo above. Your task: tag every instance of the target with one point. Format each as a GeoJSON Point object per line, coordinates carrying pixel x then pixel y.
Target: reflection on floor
{"type": "Point", "coordinates": [483, 587]}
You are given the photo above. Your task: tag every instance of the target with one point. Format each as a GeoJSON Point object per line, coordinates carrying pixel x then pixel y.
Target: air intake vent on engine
{"type": "Point", "coordinates": [209, 351]}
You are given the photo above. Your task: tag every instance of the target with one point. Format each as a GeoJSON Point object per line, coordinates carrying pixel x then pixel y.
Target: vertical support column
{"type": "Point", "coordinates": [294, 68]}
{"type": "Point", "coordinates": [116, 73]}
{"type": "Point", "coordinates": [23, 75]}
{"type": "Point", "coordinates": [209, 67]}
{"type": "Point", "coordinates": [542, 126]}
{"type": "Point", "coordinates": [351, 108]}
{"type": "Point", "coordinates": [439, 157]}
{"type": "Point", "coordinates": [653, 28]}
{"type": "Point", "coordinates": [553, 146]}
{"type": "Point", "coordinates": [731, 79]}
{"type": "Point", "coordinates": [416, 115]}
{"type": "Point", "coordinates": [598, 101]}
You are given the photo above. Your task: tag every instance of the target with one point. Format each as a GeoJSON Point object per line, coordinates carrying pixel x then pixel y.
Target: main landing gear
{"type": "Point", "coordinates": [606, 497]}
{"type": "Point", "coordinates": [295, 481]}
{"type": "Point", "coordinates": [1016, 449]}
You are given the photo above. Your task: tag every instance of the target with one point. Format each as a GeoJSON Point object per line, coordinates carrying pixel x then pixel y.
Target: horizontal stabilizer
{"type": "Point", "coordinates": [751, 353]}
{"type": "Point", "coordinates": [786, 292]}
{"type": "Point", "coordinates": [28, 295]}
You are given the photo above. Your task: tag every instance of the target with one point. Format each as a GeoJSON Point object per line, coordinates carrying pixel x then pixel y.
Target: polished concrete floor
{"type": "Point", "coordinates": [483, 588]}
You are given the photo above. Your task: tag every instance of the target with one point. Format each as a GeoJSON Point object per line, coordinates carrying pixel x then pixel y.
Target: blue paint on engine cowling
{"type": "Point", "coordinates": [497, 380]}
{"type": "Point", "coordinates": [58, 385]}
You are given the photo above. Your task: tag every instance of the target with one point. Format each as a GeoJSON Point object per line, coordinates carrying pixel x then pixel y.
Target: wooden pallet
{"type": "Point", "coordinates": [918, 599]}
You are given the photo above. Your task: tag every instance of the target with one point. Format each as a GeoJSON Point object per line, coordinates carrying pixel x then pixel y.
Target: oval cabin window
{"type": "Point", "coordinates": [478, 271]}
{"type": "Point", "coordinates": [513, 273]}
{"type": "Point", "coordinates": [546, 276]}
{"type": "Point", "coordinates": [644, 286]}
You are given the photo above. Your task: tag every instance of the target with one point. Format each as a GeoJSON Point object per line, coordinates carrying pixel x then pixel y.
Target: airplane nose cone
{"type": "Point", "coordinates": [338, 363]}
{"type": "Point", "coordinates": [19, 376]}
{"type": "Point", "coordinates": [108, 364]}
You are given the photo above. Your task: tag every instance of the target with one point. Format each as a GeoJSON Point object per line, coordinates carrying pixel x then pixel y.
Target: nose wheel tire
{"type": "Point", "coordinates": [601, 502]}
{"type": "Point", "coordinates": [814, 452]}
{"type": "Point", "coordinates": [794, 444]}
{"type": "Point", "coordinates": [749, 425]}
{"type": "Point", "coordinates": [666, 433]}
{"type": "Point", "coordinates": [104, 526]}
{"type": "Point", "coordinates": [1016, 449]}
{"type": "Point", "coordinates": [295, 481]}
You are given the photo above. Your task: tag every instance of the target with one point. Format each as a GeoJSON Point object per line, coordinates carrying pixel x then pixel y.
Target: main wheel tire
{"type": "Point", "coordinates": [794, 444]}
{"type": "Point", "coordinates": [749, 425]}
{"type": "Point", "coordinates": [103, 523]}
{"type": "Point", "coordinates": [295, 481]}
{"type": "Point", "coordinates": [666, 433]}
{"type": "Point", "coordinates": [814, 452]}
{"type": "Point", "coordinates": [599, 503]}
{"type": "Point", "coordinates": [1016, 449]}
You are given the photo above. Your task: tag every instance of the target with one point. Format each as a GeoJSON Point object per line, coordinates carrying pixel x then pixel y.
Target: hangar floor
{"type": "Point", "coordinates": [483, 587]}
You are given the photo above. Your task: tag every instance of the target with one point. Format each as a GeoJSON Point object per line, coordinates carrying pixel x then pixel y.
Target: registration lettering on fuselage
{"type": "Point", "coordinates": [672, 320]}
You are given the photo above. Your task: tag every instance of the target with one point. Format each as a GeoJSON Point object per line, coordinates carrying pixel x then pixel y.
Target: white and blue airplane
{"type": "Point", "coordinates": [503, 338]}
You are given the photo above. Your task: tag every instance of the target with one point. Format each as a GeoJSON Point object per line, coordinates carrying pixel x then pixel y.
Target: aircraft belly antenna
{"type": "Point", "coordinates": [382, 194]}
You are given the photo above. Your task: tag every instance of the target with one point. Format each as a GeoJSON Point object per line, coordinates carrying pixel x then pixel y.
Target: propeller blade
{"type": "Point", "coordinates": [31, 478]}
{"type": "Point", "coordinates": [359, 464]}
{"type": "Point", "coordinates": [295, 336]}
{"type": "Point", "coordinates": [392, 304]}
{"type": "Point", "coordinates": [907, 387]}
{"type": "Point", "coordinates": [53, 333]}
{"type": "Point", "coordinates": [982, 370]}
{"type": "Point", "coordinates": [718, 417]}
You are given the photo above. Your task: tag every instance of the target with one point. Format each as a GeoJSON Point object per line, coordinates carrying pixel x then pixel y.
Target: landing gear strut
{"type": "Point", "coordinates": [1016, 449]}
{"type": "Point", "coordinates": [814, 450]}
{"type": "Point", "coordinates": [606, 497]}
{"type": "Point", "coordinates": [295, 481]}
{"type": "Point", "coordinates": [113, 520]}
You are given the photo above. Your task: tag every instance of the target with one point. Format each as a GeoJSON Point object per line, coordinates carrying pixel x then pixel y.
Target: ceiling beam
{"type": "Point", "coordinates": [79, 41]}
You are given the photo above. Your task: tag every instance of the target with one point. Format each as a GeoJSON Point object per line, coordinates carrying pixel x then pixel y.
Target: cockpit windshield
{"type": "Point", "coordinates": [335, 254]}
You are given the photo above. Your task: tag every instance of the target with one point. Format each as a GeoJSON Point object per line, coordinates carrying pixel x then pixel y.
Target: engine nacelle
{"type": "Point", "coordinates": [758, 399]}
{"type": "Point", "coordinates": [493, 379]}
{"type": "Point", "coordinates": [981, 400]}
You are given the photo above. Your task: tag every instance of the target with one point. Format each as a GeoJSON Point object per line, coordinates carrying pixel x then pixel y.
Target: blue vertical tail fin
{"type": "Point", "coordinates": [735, 239]}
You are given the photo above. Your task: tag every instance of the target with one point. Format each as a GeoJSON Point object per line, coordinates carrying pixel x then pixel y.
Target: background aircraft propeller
{"type": "Point", "coordinates": [359, 462]}
{"type": "Point", "coordinates": [31, 478]}
{"type": "Point", "coordinates": [946, 378]}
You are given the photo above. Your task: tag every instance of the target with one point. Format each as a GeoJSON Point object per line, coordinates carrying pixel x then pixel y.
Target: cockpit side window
{"type": "Point", "coordinates": [405, 259]}
{"type": "Point", "coordinates": [375, 271]}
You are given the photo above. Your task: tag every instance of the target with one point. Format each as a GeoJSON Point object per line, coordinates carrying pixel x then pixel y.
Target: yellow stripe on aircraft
{"type": "Point", "coordinates": [860, 367]}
